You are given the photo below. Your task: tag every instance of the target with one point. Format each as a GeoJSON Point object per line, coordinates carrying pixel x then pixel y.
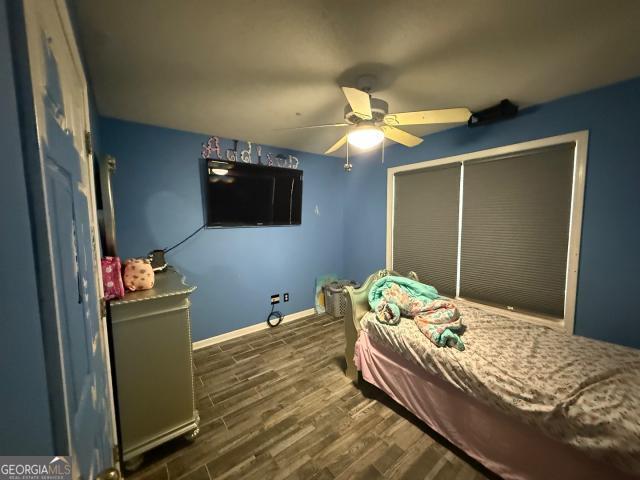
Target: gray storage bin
{"type": "Point", "coordinates": [335, 300]}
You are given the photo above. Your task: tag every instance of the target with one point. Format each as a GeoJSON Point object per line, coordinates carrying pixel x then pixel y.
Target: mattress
{"type": "Point", "coordinates": [582, 392]}
{"type": "Point", "coordinates": [504, 445]}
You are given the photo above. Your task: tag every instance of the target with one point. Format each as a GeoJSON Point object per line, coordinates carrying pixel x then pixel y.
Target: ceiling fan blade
{"type": "Point", "coordinates": [337, 145]}
{"type": "Point", "coordinates": [427, 117]}
{"type": "Point", "coordinates": [359, 101]}
{"type": "Point", "coordinates": [316, 126]}
{"type": "Point", "coordinates": [401, 137]}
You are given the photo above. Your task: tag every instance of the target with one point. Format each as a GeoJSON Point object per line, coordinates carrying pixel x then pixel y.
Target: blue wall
{"type": "Point", "coordinates": [24, 403]}
{"type": "Point", "coordinates": [158, 202]}
{"type": "Point", "coordinates": [610, 256]}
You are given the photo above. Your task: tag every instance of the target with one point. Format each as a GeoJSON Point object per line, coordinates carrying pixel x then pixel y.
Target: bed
{"type": "Point", "coordinates": [526, 401]}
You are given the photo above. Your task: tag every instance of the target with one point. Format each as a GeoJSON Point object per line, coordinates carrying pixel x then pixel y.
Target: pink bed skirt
{"type": "Point", "coordinates": [504, 445]}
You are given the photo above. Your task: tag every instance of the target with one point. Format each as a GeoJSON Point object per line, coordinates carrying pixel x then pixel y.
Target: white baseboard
{"type": "Point", "coordinates": [250, 329]}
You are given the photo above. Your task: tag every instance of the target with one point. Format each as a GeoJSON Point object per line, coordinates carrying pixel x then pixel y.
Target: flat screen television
{"type": "Point", "coordinates": [248, 195]}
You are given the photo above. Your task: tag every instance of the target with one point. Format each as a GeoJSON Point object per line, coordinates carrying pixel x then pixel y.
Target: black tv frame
{"type": "Point", "coordinates": [216, 163]}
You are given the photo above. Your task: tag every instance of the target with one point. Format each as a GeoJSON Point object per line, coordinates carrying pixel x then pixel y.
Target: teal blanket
{"type": "Point", "coordinates": [392, 297]}
{"type": "Point", "coordinates": [415, 289]}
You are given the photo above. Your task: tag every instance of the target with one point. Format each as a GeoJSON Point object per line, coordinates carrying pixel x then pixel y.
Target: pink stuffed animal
{"type": "Point", "coordinates": [138, 274]}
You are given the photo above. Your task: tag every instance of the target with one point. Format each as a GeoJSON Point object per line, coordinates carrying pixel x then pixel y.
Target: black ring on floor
{"type": "Point", "coordinates": [274, 314]}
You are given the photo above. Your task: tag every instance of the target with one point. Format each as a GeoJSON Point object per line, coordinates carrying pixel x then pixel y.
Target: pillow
{"type": "Point", "coordinates": [112, 278]}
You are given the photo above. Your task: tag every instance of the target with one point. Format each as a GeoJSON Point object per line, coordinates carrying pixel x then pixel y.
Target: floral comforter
{"type": "Point", "coordinates": [583, 392]}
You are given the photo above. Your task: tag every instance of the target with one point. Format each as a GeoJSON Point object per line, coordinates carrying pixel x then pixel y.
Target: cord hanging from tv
{"type": "Point", "coordinates": [248, 195]}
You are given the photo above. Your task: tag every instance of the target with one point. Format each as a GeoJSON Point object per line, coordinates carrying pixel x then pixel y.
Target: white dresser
{"type": "Point", "coordinates": [152, 359]}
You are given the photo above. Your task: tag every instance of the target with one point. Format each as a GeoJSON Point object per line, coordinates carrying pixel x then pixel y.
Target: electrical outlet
{"type": "Point", "coordinates": [275, 299]}
{"type": "Point", "coordinates": [285, 297]}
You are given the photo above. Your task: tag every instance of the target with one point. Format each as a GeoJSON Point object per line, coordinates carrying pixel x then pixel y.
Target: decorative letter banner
{"type": "Point", "coordinates": [212, 147]}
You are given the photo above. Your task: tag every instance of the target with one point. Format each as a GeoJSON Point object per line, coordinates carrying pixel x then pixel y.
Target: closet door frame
{"type": "Point", "coordinates": [581, 141]}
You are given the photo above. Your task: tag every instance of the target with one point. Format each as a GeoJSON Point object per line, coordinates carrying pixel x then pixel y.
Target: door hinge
{"type": "Point", "coordinates": [103, 308]}
{"type": "Point", "coordinates": [115, 453]}
{"type": "Point", "coordinates": [88, 142]}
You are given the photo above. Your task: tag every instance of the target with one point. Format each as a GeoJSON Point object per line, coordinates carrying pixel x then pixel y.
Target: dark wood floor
{"type": "Point", "coordinates": [276, 404]}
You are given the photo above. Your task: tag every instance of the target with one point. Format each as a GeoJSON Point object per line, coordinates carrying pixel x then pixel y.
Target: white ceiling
{"type": "Point", "coordinates": [244, 68]}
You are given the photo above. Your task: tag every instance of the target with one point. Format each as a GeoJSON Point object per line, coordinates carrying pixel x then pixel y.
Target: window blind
{"type": "Point", "coordinates": [515, 229]}
{"type": "Point", "coordinates": [425, 225]}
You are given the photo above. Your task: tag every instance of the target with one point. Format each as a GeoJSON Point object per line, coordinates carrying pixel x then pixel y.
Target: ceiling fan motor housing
{"type": "Point", "coordinates": [379, 108]}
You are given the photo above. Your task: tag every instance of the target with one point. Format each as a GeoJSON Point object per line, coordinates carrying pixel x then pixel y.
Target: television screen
{"type": "Point", "coordinates": [244, 194]}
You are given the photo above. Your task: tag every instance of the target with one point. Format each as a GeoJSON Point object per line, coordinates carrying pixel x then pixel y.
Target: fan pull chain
{"type": "Point", "coordinates": [383, 150]}
{"type": "Point", "coordinates": [347, 166]}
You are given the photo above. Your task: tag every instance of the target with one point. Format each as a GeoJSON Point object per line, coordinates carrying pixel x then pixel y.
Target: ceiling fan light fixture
{"type": "Point", "coordinates": [365, 136]}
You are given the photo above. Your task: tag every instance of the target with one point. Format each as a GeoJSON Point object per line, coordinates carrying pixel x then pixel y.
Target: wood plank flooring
{"type": "Point", "coordinates": [275, 404]}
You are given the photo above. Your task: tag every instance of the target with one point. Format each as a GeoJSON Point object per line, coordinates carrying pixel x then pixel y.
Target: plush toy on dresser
{"type": "Point", "coordinates": [112, 278]}
{"type": "Point", "coordinates": [138, 274]}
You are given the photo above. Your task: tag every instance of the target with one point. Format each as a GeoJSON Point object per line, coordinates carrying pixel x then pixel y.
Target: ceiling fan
{"type": "Point", "coordinates": [369, 120]}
